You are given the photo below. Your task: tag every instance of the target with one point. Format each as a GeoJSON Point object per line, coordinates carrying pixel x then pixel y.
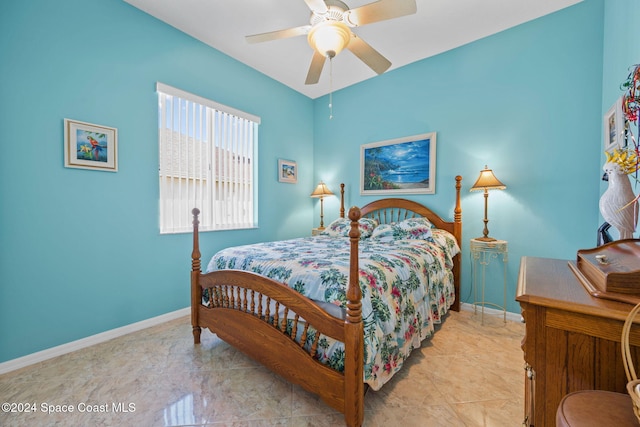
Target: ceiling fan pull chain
{"type": "Point", "coordinates": [330, 87]}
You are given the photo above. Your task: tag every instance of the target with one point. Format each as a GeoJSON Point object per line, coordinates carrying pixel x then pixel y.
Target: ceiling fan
{"type": "Point", "coordinates": [329, 31]}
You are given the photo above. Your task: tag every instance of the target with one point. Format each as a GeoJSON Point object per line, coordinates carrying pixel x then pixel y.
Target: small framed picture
{"type": "Point", "coordinates": [287, 171]}
{"type": "Point", "coordinates": [90, 146]}
{"type": "Point", "coordinates": [614, 127]}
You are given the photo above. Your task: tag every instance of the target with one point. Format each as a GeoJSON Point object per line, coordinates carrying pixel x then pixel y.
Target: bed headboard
{"type": "Point", "coordinates": [395, 210]}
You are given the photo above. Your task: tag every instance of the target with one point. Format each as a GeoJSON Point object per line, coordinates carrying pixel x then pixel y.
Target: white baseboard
{"type": "Point", "coordinates": [492, 312]}
{"type": "Point", "coordinates": [50, 353]}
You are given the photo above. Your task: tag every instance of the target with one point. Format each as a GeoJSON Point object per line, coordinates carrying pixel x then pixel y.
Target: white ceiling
{"type": "Point", "coordinates": [438, 26]}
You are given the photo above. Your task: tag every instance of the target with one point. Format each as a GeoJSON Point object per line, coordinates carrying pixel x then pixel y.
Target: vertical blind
{"type": "Point", "coordinates": [207, 161]}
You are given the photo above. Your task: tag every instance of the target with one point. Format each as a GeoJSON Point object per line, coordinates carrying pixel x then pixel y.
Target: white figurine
{"type": "Point", "coordinates": [618, 203]}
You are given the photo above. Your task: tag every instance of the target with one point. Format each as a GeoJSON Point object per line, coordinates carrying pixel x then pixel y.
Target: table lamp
{"type": "Point", "coordinates": [321, 192]}
{"type": "Point", "coordinates": [487, 181]}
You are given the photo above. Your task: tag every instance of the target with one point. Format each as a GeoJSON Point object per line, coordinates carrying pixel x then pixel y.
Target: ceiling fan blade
{"type": "Point", "coordinates": [280, 34]}
{"type": "Point", "coordinates": [368, 55]}
{"type": "Point", "coordinates": [317, 6]}
{"type": "Point", "coordinates": [380, 11]}
{"type": "Point", "coordinates": [315, 69]}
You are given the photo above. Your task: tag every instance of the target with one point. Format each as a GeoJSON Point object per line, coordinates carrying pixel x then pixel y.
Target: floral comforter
{"type": "Point", "coordinates": [407, 286]}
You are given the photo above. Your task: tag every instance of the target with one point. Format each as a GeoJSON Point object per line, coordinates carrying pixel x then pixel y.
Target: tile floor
{"type": "Point", "coordinates": [466, 375]}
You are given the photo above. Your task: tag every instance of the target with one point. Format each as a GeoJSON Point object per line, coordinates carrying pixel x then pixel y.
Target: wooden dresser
{"type": "Point", "coordinates": [572, 340]}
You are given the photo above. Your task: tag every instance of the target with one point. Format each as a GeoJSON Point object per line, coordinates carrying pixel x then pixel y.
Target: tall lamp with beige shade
{"type": "Point", "coordinates": [487, 181]}
{"type": "Point", "coordinates": [321, 192]}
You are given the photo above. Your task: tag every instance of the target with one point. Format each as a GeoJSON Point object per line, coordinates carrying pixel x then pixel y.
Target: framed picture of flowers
{"type": "Point", "coordinates": [399, 166]}
{"type": "Point", "coordinates": [90, 146]}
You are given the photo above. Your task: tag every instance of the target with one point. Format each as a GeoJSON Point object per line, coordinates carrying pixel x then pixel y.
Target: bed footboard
{"type": "Point", "coordinates": [274, 325]}
{"type": "Point", "coordinates": [281, 328]}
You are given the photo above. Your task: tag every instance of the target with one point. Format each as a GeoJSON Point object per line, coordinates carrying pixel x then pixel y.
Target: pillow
{"type": "Point", "coordinates": [384, 232]}
{"type": "Point", "coordinates": [412, 228]}
{"type": "Point", "coordinates": [341, 227]}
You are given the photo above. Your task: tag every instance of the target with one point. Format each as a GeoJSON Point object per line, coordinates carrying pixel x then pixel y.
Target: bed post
{"type": "Point", "coordinates": [457, 231]}
{"type": "Point", "coordinates": [196, 290]}
{"type": "Point", "coordinates": [342, 200]}
{"type": "Point", "coordinates": [354, 333]}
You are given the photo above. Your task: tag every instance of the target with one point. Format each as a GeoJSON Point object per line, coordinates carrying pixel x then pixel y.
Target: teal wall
{"type": "Point", "coordinates": [526, 102]}
{"type": "Point", "coordinates": [81, 251]}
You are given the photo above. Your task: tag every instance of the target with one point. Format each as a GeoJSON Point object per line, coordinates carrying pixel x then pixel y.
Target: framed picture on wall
{"type": "Point", "coordinates": [90, 146]}
{"type": "Point", "coordinates": [399, 166]}
{"type": "Point", "coordinates": [614, 127]}
{"type": "Point", "coordinates": [287, 171]}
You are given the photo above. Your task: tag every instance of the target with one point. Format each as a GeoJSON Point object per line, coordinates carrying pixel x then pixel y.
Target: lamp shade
{"type": "Point", "coordinates": [329, 37]}
{"type": "Point", "coordinates": [321, 191]}
{"type": "Point", "coordinates": [487, 181]}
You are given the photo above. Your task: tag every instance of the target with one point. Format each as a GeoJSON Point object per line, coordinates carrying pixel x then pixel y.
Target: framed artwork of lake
{"type": "Point", "coordinates": [399, 166]}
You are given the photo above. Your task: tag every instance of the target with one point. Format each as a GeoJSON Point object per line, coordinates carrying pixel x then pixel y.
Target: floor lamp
{"type": "Point", "coordinates": [487, 181]}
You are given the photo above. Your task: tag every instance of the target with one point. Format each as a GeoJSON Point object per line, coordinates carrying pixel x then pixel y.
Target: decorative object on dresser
{"type": "Point", "coordinates": [610, 271]}
{"type": "Point", "coordinates": [487, 181]}
{"type": "Point", "coordinates": [572, 340]}
{"type": "Point", "coordinates": [631, 97]}
{"type": "Point", "coordinates": [618, 204]}
{"type": "Point", "coordinates": [277, 322]}
{"type": "Point", "coordinates": [321, 192]}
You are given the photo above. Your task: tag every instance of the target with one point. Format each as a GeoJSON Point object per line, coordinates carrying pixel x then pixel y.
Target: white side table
{"type": "Point", "coordinates": [482, 253]}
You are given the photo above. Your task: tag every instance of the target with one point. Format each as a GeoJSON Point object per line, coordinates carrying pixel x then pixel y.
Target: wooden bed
{"type": "Point", "coordinates": [236, 312]}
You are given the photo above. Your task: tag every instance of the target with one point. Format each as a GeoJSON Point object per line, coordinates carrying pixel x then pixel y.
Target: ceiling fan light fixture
{"type": "Point", "coordinates": [329, 37]}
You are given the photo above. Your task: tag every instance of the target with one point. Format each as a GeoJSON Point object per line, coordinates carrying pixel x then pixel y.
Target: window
{"type": "Point", "coordinates": [207, 161]}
